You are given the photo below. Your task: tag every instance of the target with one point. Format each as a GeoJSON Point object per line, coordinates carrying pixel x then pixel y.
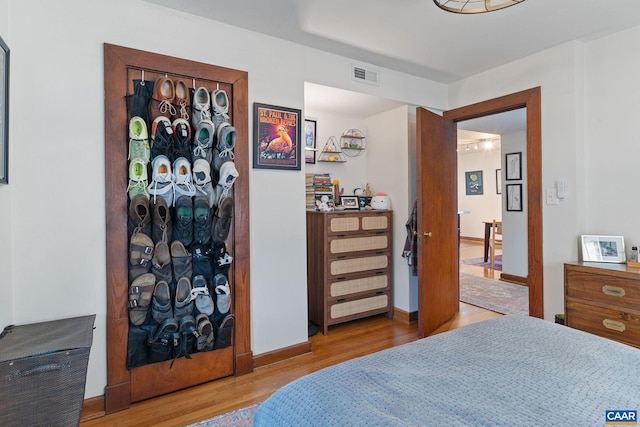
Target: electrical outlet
{"type": "Point", "coordinates": [552, 196]}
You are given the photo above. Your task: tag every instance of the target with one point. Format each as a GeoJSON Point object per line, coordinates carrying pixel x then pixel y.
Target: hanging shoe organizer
{"type": "Point", "coordinates": [353, 142]}
{"type": "Point", "coordinates": [331, 152]}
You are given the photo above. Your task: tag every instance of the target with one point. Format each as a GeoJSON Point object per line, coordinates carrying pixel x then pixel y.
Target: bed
{"type": "Point", "coordinates": [508, 371]}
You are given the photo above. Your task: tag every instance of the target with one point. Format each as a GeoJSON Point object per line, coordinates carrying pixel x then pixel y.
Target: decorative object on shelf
{"type": "Point", "coordinates": [324, 202]}
{"type": "Point", "coordinates": [603, 248]}
{"type": "Point", "coordinates": [381, 202]}
{"type": "Point", "coordinates": [349, 202]}
{"type": "Point", "coordinates": [4, 112]}
{"type": "Point", "coordinates": [310, 141]}
{"type": "Point", "coordinates": [367, 190]}
{"type": "Point", "coordinates": [276, 134]}
{"type": "Point", "coordinates": [337, 191]}
{"type": "Point", "coordinates": [474, 6]}
{"type": "Point", "coordinates": [353, 142]}
{"type": "Point", "coordinates": [331, 152]}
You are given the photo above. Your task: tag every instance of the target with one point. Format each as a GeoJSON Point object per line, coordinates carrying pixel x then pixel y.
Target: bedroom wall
{"type": "Point", "coordinates": [56, 199]}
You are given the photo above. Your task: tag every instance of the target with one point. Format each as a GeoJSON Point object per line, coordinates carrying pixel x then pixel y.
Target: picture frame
{"type": "Point", "coordinates": [276, 137]}
{"type": "Point", "coordinates": [4, 112]}
{"type": "Point", "coordinates": [513, 163]}
{"type": "Point", "coordinates": [602, 248]}
{"type": "Point", "coordinates": [349, 202]}
{"type": "Point", "coordinates": [498, 181]}
{"type": "Point", "coordinates": [310, 141]}
{"type": "Point", "coordinates": [514, 197]}
{"type": "Point", "coordinates": [473, 183]}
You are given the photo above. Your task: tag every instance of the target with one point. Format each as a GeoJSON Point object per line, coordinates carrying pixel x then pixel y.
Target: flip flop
{"type": "Point", "coordinates": [140, 293]}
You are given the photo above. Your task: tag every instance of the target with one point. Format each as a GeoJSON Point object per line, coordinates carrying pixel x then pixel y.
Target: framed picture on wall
{"type": "Point", "coordinates": [276, 137]}
{"type": "Point", "coordinates": [473, 183]}
{"type": "Point", "coordinates": [4, 113]}
{"type": "Point", "coordinates": [310, 141]}
{"type": "Point", "coordinates": [498, 181]}
{"type": "Point", "coordinates": [514, 197]}
{"type": "Point", "coordinates": [514, 166]}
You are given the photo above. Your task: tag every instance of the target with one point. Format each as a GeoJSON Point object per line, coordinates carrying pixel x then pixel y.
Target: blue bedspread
{"type": "Point", "coordinates": [507, 371]}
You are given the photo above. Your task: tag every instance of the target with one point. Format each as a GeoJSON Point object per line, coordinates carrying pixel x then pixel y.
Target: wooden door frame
{"type": "Point", "coordinates": [117, 60]}
{"type": "Point", "coordinates": [531, 100]}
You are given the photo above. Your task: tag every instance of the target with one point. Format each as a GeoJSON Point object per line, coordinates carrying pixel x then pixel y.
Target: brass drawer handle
{"type": "Point", "coordinates": [613, 291]}
{"type": "Point", "coordinates": [614, 325]}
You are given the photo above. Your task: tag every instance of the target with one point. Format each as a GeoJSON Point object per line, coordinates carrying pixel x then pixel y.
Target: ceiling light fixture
{"type": "Point", "coordinates": [474, 6]}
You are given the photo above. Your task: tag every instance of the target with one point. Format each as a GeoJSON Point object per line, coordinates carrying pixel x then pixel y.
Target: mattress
{"type": "Point", "coordinates": [508, 371]}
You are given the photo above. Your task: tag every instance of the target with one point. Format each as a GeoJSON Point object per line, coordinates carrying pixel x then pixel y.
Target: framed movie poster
{"type": "Point", "coordinates": [473, 183]}
{"type": "Point", "coordinates": [276, 137]}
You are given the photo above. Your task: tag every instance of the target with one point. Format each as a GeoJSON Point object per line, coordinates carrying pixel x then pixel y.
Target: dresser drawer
{"type": "Point", "coordinates": [345, 223]}
{"type": "Point", "coordinates": [605, 322]}
{"type": "Point", "coordinates": [603, 289]}
{"type": "Point", "coordinates": [346, 287]}
{"type": "Point", "coordinates": [378, 303]}
{"type": "Point", "coordinates": [342, 245]}
{"type": "Point", "coordinates": [351, 265]}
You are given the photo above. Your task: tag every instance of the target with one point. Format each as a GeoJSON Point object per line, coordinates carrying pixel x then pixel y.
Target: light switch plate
{"type": "Point", "coordinates": [552, 196]}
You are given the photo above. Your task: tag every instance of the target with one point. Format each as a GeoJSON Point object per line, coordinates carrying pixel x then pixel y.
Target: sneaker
{"type": "Point", "coordinates": [182, 178]}
{"type": "Point", "coordinates": [139, 218]}
{"type": "Point", "coordinates": [203, 141]}
{"type": "Point", "coordinates": [223, 293]}
{"type": "Point", "coordinates": [200, 295]}
{"type": "Point", "coordinates": [201, 220]}
{"type": "Point", "coordinates": [201, 260]}
{"type": "Point", "coordinates": [220, 104]}
{"type": "Point", "coordinates": [201, 107]}
{"type": "Point", "coordinates": [202, 180]}
{"type": "Point", "coordinates": [181, 139]}
{"type": "Point", "coordinates": [162, 180]}
{"type": "Point", "coordinates": [228, 175]}
{"type": "Point", "coordinates": [164, 92]}
{"type": "Point", "coordinates": [222, 220]}
{"type": "Point", "coordinates": [225, 143]}
{"type": "Point", "coordinates": [161, 137]}
{"type": "Point", "coordinates": [183, 227]}
{"type": "Point", "coordinates": [181, 101]}
{"type": "Point", "coordinates": [138, 139]}
{"type": "Point", "coordinates": [161, 227]}
{"type": "Point", "coordinates": [138, 181]}
{"type": "Point", "coordinates": [221, 258]}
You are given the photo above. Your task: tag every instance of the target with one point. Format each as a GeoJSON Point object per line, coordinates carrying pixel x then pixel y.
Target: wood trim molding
{"type": "Point", "coordinates": [405, 316]}
{"type": "Point", "coordinates": [281, 354]}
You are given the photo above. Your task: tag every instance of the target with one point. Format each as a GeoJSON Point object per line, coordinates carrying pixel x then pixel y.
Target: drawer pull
{"type": "Point", "coordinates": [614, 325]}
{"type": "Point", "coordinates": [613, 291]}
{"type": "Point", "coordinates": [341, 299]}
{"type": "Point", "coordinates": [380, 293]}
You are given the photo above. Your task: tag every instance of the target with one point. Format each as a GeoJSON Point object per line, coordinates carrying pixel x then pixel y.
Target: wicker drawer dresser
{"type": "Point", "coordinates": [349, 265]}
{"type": "Point", "coordinates": [603, 299]}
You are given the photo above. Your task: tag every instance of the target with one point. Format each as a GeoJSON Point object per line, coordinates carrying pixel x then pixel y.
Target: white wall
{"type": "Point", "coordinates": [54, 232]}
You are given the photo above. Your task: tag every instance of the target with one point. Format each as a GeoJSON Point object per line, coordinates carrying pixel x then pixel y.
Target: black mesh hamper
{"type": "Point", "coordinates": [43, 369]}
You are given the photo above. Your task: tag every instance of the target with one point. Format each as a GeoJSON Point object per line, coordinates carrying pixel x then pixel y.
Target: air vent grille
{"type": "Point", "coordinates": [364, 75]}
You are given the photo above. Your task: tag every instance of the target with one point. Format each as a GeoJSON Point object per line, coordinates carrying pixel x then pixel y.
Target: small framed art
{"type": "Point", "coordinates": [514, 166]}
{"type": "Point", "coordinates": [498, 181]}
{"type": "Point", "coordinates": [473, 183]}
{"type": "Point", "coordinates": [603, 248]}
{"type": "Point", "coordinates": [310, 141]}
{"type": "Point", "coordinates": [4, 112]}
{"type": "Point", "coordinates": [514, 197]}
{"type": "Point", "coordinates": [349, 202]}
{"type": "Point", "coordinates": [276, 137]}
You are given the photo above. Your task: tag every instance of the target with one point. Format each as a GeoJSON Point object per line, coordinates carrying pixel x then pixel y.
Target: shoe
{"type": "Point", "coordinates": [203, 141]}
{"type": "Point", "coordinates": [224, 335]}
{"type": "Point", "coordinates": [201, 260]}
{"type": "Point", "coordinates": [140, 255]}
{"type": "Point", "coordinates": [223, 293]}
{"type": "Point", "coordinates": [221, 258]}
{"type": "Point", "coordinates": [162, 180]}
{"type": "Point", "coordinates": [161, 307]}
{"type": "Point", "coordinates": [181, 101]}
{"type": "Point", "coordinates": [140, 293]}
{"type": "Point", "coordinates": [183, 227]}
{"type": "Point", "coordinates": [139, 219]}
{"type": "Point", "coordinates": [220, 105]}
{"type": "Point", "coordinates": [138, 180]}
{"type": "Point", "coordinates": [164, 92]}
{"type": "Point", "coordinates": [206, 332]}
{"type": "Point", "coordinates": [181, 139]}
{"type": "Point", "coordinates": [182, 178]}
{"type": "Point", "coordinates": [161, 226]}
{"type": "Point", "coordinates": [222, 220]}
{"type": "Point", "coordinates": [183, 306]}
{"type": "Point", "coordinates": [138, 101]}
{"type": "Point", "coordinates": [161, 137]}
{"type": "Point", "coordinates": [200, 295]}
{"type": "Point", "coordinates": [202, 180]}
{"type": "Point", "coordinates": [181, 259]}
{"type": "Point", "coordinates": [167, 334]}
{"type": "Point", "coordinates": [201, 220]}
{"type": "Point", "coordinates": [161, 262]}
{"type": "Point", "coordinates": [138, 139]}
{"type": "Point", "coordinates": [188, 336]}
{"type": "Point", "coordinates": [225, 143]}
{"type": "Point", "coordinates": [228, 175]}
{"type": "Point", "coordinates": [201, 106]}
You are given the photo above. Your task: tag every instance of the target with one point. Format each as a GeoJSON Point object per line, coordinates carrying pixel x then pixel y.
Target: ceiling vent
{"type": "Point", "coordinates": [363, 75]}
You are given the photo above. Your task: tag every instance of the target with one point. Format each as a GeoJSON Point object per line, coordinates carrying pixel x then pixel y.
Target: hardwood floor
{"type": "Point", "coordinates": [343, 342]}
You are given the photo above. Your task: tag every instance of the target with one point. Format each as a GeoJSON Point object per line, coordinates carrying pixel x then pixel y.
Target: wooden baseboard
{"type": "Point", "coordinates": [92, 408]}
{"type": "Point", "coordinates": [473, 239]}
{"type": "Point", "coordinates": [405, 316]}
{"type": "Point", "coordinates": [518, 280]}
{"type": "Point", "coordinates": [281, 354]}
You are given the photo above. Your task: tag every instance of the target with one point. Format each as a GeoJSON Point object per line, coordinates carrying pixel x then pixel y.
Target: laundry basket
{"type": "Point", "coordinates": [43, 369]}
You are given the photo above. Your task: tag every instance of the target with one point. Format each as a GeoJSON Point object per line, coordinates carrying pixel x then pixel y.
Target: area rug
{"type": "Point", "coordinates": [495, 295]}
{"type": "Point", "coordinates": [480, 262]}
{"type": "Point", "coordinates": [238, 418]}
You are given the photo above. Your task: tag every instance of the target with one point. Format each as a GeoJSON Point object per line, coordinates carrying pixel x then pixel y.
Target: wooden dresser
{"type": "Point", "coordinates": [349, 265]}
{"type": "Point", "coordinates": [603, 299]}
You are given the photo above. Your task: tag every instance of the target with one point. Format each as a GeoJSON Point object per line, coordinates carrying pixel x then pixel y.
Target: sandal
{"type": "Point", "coordinates": [161, 262]}
{"type": "Point", "coordinates": [140, 254]}
{"type": "Point", "coordinates": [140, 293]}
{"type": "Point", "coordinates": [200, 294]}
{"type": "Point", "coordinates": [223, 293]}
{"type": "Point", "coordinates": [181, 258]}
{"type": "Point", "coordinates": [161, 308]}
{"type": "Point", "coordinates": [205, 329]}
{"type": "Point", "coordinates": [183, 305]}
{"type": "Point", "coordinates": [222, 220]}
{"type": "Point", "coordinates": [167, 334]}
{"type": "Point", "coordinates": [188, 333]}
